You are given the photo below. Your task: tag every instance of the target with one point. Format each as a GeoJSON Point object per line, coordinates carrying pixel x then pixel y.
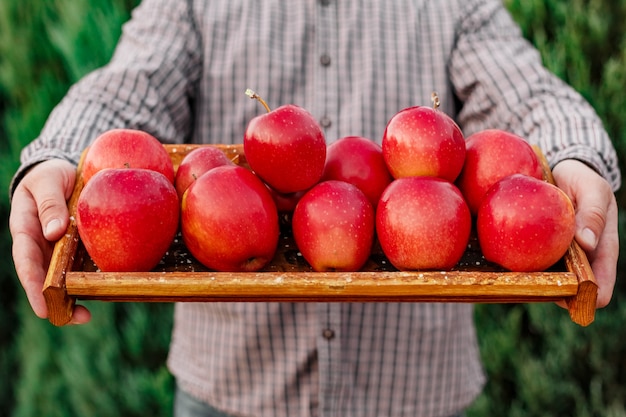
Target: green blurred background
{"type": "Point", "coordinates": [538, 362]}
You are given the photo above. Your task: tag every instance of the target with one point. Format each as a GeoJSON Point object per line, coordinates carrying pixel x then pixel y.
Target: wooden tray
{"type": "Point", "coordinates": [179, 277]}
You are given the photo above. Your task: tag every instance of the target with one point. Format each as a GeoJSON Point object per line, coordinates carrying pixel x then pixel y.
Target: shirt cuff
{"type": "Point", "coordinates": [588, 156]}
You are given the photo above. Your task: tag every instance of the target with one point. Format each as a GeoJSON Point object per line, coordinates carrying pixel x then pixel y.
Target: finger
{"type": "Point", "coordinates": [591, 214]}
{"type": "Point", "coordinates": [51, 184]}
{"type": "Point", "coordinates": [80, 315]}
{"type": "Point", "coordinates": [605, 256]}
{"type": "Point", "coordinates": [591, 196]}
{"type": "Point", "coordinates": [31, 276]}
{"type": "Point", "coordinates": [30, 250]}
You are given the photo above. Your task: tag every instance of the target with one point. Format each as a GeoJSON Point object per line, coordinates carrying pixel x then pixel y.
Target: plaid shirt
{"type": "Point", "coordinates": [180, 72]}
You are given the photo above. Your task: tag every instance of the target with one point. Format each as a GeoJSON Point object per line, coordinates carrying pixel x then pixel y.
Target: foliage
{"type": "Point", "coordinates": [538, 362]}
{"type": "Point", "coordinates": [113, 366]}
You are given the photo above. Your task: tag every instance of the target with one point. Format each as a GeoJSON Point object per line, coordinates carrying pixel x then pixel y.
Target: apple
{"type": "Point", "coordinates": [491, 155]}
{"type": "Point", "coordinates": [423, 141]}
{"type": "Point", "coordinates": [127, 218]}
{"type": "Point", "coordinates": [229, 221]}
{"type": "Point", "coordinates": [360, 162]}
{"type": "Point", "coordinates": [127, 148]}
{"type": "Point", "coordinates": [285, 148]}
{"type": "Point", "coordinates": [286, 202]}
{"type": "Point", "coordinates": [333, 226]}
{"type": "Point", "coordinates": [196, 163]}
{"type": "Point", "coordinates": [525, 224]}
{"type": "Point", "coordinates": [423, 223]}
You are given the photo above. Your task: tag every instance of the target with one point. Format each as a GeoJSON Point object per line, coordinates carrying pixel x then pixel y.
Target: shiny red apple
{"type": "Point", "coordinates": [229, 221]}
{"type": "Point", "coordinates": [286, 202]}
{"type": "Point", "coordinates": [360, 162]}
{"type": "Point", "coordinates": [286, 148]}
{"type": "Point", "coordinates": [423, 223]}
{"type": "Point", "coordinates": [127, 218]}
{"type": "Point", "coordinates": [491, 155]}
{"type": "Point", "coordinates": [423, 141]}
{"type": "Point", "coordinates": [525, 224]}
{"type": "Point", "coordinates": [333, 226]}
{"type": "Point", "coordinates": [196, 163]}
{"type": "Point", "coordinates": [127, 148]}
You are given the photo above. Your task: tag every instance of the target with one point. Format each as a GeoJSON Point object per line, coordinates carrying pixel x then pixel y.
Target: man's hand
{"type": "Point", "coordinates": [38, 218]}
{"type": "Point", "coordinates": [596, 221]}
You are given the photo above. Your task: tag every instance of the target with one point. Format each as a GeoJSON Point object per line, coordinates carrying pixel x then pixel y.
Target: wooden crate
{"type": "Point", "coordinates": [179, 277]}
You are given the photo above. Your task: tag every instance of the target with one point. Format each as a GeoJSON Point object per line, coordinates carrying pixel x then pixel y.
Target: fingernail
{"type": "Point", "coordinates": [588, 237]}
{"type": "Point", "coordinates": [53, 227]}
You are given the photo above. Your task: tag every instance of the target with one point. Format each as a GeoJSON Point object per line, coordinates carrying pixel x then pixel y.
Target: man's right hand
{"type": "Point", "coordinates": [38, 218]}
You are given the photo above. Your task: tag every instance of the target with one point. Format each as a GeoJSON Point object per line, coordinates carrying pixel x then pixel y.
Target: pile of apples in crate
{"type": "Point", "coordinates": [419, 194]}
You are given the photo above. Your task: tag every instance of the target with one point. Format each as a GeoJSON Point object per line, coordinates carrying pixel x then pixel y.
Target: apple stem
{"type": "Point", "coordinates": [435, 99]}
{"type": "Point", "coordinates": [255, 96]}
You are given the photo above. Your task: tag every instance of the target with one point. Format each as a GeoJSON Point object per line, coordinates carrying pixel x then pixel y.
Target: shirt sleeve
{"type": "Point", "coordinates": [501, 81]}
{"type": "Point", "coordinates": [149, 84]}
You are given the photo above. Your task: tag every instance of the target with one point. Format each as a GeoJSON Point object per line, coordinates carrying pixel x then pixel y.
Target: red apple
{"type": "Point", "coordinates": [127, 148]}
{"type": "Point", "coordinates": [127, 218]}
{"type": "Point", "coordinates": [285, 202]}
{"type": "Point", "coordinates": [229, 221]}
{"type": "Point", "coordinates": [423, 141]}
{"type": "Point", "coordinates": [423, 223]}
{"type": "Point", "coordinates": [333, 226]}
{"type": "Point", "coordinates": [491, 155]}
{"type": "Point", "coordinates": [525, 224]}
{"type": "Point", "coordinates": [196, 163]}
{"type": "Point", "coordinates": [286, 148]}
{"type": "Point", "coordinates": [360, 162]}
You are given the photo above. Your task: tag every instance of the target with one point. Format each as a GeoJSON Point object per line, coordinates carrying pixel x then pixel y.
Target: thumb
{"type": "Point", "coordinates": [51, 184]}
{"type": "Point", "coordinates": [590, 222]}
{"type": "Point", "coordinates": [591, 197]}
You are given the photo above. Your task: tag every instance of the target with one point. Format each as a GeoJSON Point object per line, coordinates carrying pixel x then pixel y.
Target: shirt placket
{"type": "Point", "coordinates": [329, 358]}
{"type": "Point", "coordinates": [327, 106]}
{"type": "Point", "coordinates": [326, 68]}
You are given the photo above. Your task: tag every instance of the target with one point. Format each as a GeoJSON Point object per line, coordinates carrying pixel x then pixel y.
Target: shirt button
{"type": "Point", "coordinates": [325, 60]}
{"type": "Point", "coordinates": [325, 122]}
{"type": "Point", "coordinates": [328, 334]}
{"type": "Point", "coordinates": [324, 2]}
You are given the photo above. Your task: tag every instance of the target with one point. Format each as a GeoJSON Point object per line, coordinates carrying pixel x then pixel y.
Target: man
{"type": "Point", "coordinates": [180, 72]}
